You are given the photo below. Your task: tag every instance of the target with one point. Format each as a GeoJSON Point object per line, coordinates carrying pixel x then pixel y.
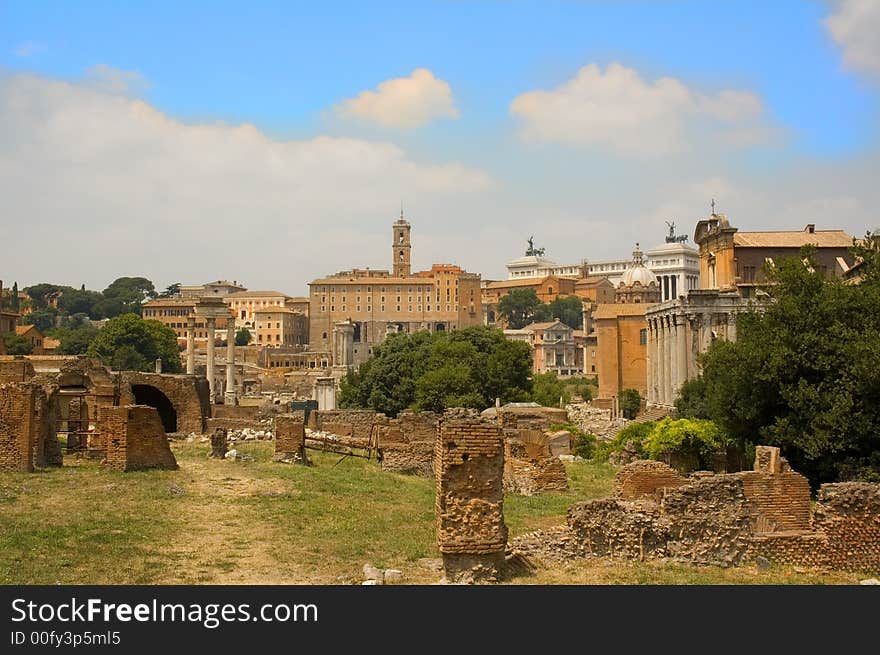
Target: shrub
{"type": "Point", "coordinates": [630, 402]}
{"type": "Point", "coordinates": [687, 437]}
{"type": "Point", "coordinates": [638, 433]}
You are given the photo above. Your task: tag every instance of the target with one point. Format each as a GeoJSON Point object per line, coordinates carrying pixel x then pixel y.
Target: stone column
{"type": "Point", "coordinates": [210, 323]}
{"type": "Point", "coordinates": [190, 344]}
{"type": "Point", "coordinates": [650, 361]}
{"type": "Point", "coordinates": [681, 349]}
{"type": "Point", "coordinates": [229, 397]}
{"type": "Point", "coordinates": [661, 360]}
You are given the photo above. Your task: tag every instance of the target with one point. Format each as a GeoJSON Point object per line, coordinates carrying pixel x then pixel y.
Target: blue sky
{"type": "Point", "coordinates": [285, 68]}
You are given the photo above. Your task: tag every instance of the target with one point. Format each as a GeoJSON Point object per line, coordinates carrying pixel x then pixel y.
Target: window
{"type": "Point", "coordinates": [643, 337]}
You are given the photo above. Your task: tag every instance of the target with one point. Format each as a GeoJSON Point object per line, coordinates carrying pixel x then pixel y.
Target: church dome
{"type": "Point", "coordinates": [638, 272]}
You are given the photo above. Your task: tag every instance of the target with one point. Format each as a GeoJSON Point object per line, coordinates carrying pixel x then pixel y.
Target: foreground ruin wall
{"type": "Point", "coordinates": [18, 430]}
{"type": "Point", "coordinates": [728, 519]}
{"type": "Point", "coordinates": [15, 369]}
{"type": "Point", "coordinates": [188, 394]}
{"type": "Point", "coordinates": [290, 438]}
{"type": "Point", "coordinates": [471, 533]}
{"type": "Point", "coordinates": [135, 438]}
{"type": "Point", "coordinates": [530, 466]}
{"type": "Point", "coordinates": [354, 423]}
{"type": "Point", "coordinates": [406, 444]}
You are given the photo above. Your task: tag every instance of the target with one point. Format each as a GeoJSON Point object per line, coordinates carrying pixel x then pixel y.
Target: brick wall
{"type": "Point", "coordinates": [357, 423]}
{"type": "Point", "coordinates": [782, 500]}
{"type": "Point", "coordinates": [406, 444]}
{"type": "Point", "coordinates": [16, 370]}
{"type": "Point", "coordinates": [848, 513]}
{"type": "Point", "coordinates": [645, 478]}
{"type": "Point", "coordinates": [290, 437]}
{"type": "Point", "coordinates": [17, 427]}
{"type": "Point", "coordinates": [134, 438]}
{"type": "Point", "coordinates": [231, 423]}
{"type": "Point", "coordinates": [469, 464]}
{"type": "Point", "coordinates": [235, 411]}
{"type": "Point", "coordinates": [189, 395]}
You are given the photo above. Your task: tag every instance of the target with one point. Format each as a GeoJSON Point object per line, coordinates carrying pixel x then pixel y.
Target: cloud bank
{"type": "Point", "coordinates": [403, 102]}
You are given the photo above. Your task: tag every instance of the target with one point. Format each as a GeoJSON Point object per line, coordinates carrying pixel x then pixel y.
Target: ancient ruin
{"type": "Point", "coordinates": [134, 438]}
{"type": "Point", "coordinates": [57, 405]}
{"type": "Point", "coordinates": [471, 532]}
{"type": "Point", "coordinates": [722, 519]}
{"type": "Point", "coordinates": [290, 438]}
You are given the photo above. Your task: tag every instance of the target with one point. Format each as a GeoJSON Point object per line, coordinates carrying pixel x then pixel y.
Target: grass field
{"type": "Point", "coordinates": [259, 522]}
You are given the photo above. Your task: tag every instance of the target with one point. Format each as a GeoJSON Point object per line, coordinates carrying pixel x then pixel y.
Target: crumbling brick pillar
{"type": "Point", "coordinates": [135, 438]}
{"type": "Point", "coordinates": [469, 465]}
{"type": "Point", "coordinates": [290, 438]}
{"type": "Point", "coordinates": [218, 443]}
{"type": "Point", "coordinates": [17, 427]}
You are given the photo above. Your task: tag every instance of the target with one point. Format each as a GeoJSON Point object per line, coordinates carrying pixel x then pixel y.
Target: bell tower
{"type": "Point", "coordinates": [401, 247]}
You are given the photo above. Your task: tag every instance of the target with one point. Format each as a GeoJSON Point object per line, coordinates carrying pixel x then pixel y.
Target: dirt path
{"type": "Point", "coordinates": [221, 540]}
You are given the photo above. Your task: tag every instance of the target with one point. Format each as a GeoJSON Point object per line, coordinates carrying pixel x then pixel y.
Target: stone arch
{"type": "Point", "coordinates": [145, 394]}
{"type": "Point", "coordinates": [187, 395]}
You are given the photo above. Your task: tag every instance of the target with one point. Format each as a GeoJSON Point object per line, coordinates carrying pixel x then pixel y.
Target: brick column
{"type": "Point", "coordinates": [469, 465]}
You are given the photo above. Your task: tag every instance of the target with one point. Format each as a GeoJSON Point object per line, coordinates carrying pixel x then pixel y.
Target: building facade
{"type": "Point", "coordinates": [378, 303]}
{"type": "Point", "coordinates": [244, 305]}
{"type": "Point", "coordinates": [174, 312]}
{"type": "Point", "coordinates": [621, 348]}
{"type": "Point", "coordinates": [277, 327]}
{"type": "Point", "coordinates": [217, 288]}
{"type": "Point", "coordinates": [554, 347]}
{"type": "Point", "coordinates": [731, 273]}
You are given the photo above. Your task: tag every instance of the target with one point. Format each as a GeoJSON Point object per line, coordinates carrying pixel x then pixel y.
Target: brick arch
{"type": "Point", "coordinates": [188, 396]}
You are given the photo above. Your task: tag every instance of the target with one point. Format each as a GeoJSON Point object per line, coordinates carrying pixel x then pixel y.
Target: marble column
{"type": "Point", "coordinates": [652, 362]}
{"type": "Point", "coordinates": [210, 324]}
{"type": "Point", "coordinates": [661, 361]}
{"type": "Point", "coordinates": [682, 351]}
{"type": "Point", "coordinates": [229, 397]}
{"type": "Point", "coordinates": [190, 345]}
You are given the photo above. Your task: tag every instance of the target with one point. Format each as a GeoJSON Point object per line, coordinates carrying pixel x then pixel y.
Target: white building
{"type": "Point", "coordinates": [675, 264]}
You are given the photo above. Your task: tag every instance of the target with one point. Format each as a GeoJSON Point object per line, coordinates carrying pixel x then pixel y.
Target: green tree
{"type": "Point", "coordinates": [39, 292]}
{"type": "Point", "coordinates": [803, 374]}
{"type": "Point", "coordinates": [170, 291]}
{"type": "Point", "coordinates": [243, 337]}
{"type": "Point", "coordinates": [518, 307]}
{"type": "Point", "coordinates": [76, 340]}
{"type": "Point", "coordinates": [127, 295]}
{"type": "Point", "coordinates": [636, 432]}
{"type": "Point", "coordinates": [568, 309]}
{"type": "Point", "coordinates": [16, 304]}
{"type": "Point", "coordinates": [43, 319]}
{"type": "Point", "coordinates": [630, 403]}
{"type": "Point", "coordinates": [17, 345]}
{"type": "Point", "coordinates": [691, 400]}
{"type": "Point", "coordinates": [583, 387]}
{"type": "Point", "coordinates": [465, 368]}
{"type": "Point", "coordinates": [548, 390]}
{"type": "Point", "coordinates": [130, 342]}
{"type": "Point", "coordinates": [80, 301]}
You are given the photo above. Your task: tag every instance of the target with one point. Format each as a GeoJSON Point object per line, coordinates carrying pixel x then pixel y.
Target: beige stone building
{"type": "Point", "coordinates": [731, 274]}
{"type": "Point", "coordinates": [173, 313]}
{"type": "Point", "coordinates": [244, 305]}
{"type": "Point", "coordinates": [277, 327]}
{"type": "Point", "coordinates": [219, 288]}
{"type": "Point", "coordinates": [553, 347]}
{"type": "Point", "coordinates": [381, 302]}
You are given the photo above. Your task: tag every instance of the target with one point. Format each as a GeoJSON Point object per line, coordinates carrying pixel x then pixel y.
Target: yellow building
{"type": "Point", "coordinates": [244, 304]}
{"type": "Point", "coordinates": [381, 302]}
{"type": "Point", "coordinates": [621, 347]}
{"type": "Point", "coordinates": [173, 313]}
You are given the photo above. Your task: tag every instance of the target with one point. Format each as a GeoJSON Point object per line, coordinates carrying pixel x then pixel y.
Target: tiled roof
{"type": "Point", "coordinates": [615, 309]}
{"type": "Point", "coordinates": [793, 239]}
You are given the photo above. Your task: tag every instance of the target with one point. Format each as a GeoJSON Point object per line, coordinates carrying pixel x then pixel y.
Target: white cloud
{"type": "Point", "coordinates": [116, 81]}
{"type": "Point", "coordinates": [403, 102]}
{"type": "Point", "coordinates": [616, 110]}
{"type": "Point", "coordinates": [855, 26]}
{"type": "Point", "coordinates": [101, 184]}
